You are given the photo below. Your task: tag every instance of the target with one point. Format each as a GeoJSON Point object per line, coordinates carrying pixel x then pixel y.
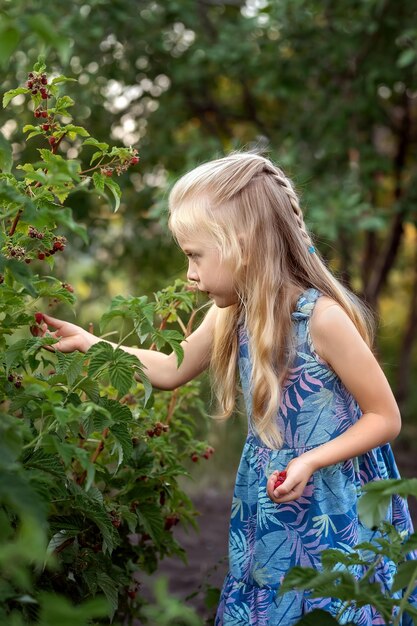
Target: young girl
{"type": "Point", "coordinates": [318, 404]}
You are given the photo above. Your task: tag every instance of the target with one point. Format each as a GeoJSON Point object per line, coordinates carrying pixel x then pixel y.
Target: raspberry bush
{"type": "Point", "coordinates": [90, 455]}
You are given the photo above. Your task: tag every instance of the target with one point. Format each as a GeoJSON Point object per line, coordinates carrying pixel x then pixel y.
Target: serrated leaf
{"type": "Point", "coordinates": [93, 142]}
{"type": "Point", "coordinates": [122, 436]}
{"type": "Point", "coordinates": [115, 190]}
{"type": "Point", "coordinates": [98, 181]}
{"type": "Point", "coordinates": [406, 573]}
{"type": "Point", "coordinates": [150, 518]}
{"type": "Point", "coordinates": [91, 388]}
{"type": "Point", "coordinates": [110, 590]}
{"type": "Point", "coordinates": [62, 79]}
{"type": "Point", "coordinates": [319, 618]}
{"type": "Point", "coordinates": [49, 463]}
{"type": "Point", "coordinates": [12, 93]}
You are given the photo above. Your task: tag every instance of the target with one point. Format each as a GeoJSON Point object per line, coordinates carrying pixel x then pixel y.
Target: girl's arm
{"type": "Point", "coordinates": [338, 342]}
{"type": "Point", "coordinates": [162, 369]}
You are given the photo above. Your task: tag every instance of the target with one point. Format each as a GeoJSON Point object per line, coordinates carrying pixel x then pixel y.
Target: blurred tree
{"type": "Point", "coordinates": [328, 89]}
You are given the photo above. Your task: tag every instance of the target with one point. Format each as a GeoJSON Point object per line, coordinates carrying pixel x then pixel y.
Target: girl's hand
{"type": "Point", "coordinates": [71, 337]}
{"type": "Point", "coordinates": [299, 471]}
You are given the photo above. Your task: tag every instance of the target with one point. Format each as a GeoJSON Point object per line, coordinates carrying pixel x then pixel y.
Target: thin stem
{"type": "Point", "coordinates": [405, 597]}
{"type": "Point", "coordinates": [15, 222]}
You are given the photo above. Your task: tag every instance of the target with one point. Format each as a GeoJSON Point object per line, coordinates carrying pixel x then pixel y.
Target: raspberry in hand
{"type": "Point", "coordinates": [280, 479]}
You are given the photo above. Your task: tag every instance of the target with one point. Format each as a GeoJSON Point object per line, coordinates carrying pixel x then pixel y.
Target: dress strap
{"type": "Point", "coordinates": [305, 304]}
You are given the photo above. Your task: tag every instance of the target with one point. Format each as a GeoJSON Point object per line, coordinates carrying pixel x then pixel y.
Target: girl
{"type": "Point", "coordinates": [318, 404]}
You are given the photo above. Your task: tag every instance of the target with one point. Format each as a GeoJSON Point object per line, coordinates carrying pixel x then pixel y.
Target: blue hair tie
{"type": "Point", "coordinates": [311, 249]}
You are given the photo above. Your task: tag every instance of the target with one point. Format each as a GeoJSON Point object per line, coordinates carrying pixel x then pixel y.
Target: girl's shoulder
{"type": "Point", "coordinates": [331, 328]}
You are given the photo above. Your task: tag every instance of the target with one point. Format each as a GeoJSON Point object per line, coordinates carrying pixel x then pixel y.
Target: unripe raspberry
{"type": "Point", "coordinates": [134, 160]}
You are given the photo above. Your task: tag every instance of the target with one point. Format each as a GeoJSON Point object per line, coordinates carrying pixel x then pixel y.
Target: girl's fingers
{"type": "Point", "coordinates": [53, 321]}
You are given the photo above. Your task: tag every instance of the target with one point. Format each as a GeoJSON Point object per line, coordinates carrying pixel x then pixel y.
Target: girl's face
{"type": "Point", "coordinates": [212, 275]}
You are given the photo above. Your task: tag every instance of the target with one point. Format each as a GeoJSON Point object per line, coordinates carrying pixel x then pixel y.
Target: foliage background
{"type": "Point", "coordinates": [326, 89]}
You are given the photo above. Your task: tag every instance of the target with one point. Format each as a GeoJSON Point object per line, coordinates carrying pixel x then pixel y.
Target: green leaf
{"type": "Point", "coordinates": [407, 57]}
{"type": "Point", "coordinates": [98, 181]}
{"type": "Point", "coordinates": [151, 520]}
{"type": "Point", "coordinates": [115, 190]}
{"type": "Point", "coordinates": [91, 388]}
{"type": "Point", "coordinates": [97, 144]}
{"type": "Point", "coordinates": [63, 79]}
{"type": "Point", "coordinates": [319, 618]}
{"type": "Point", "coordinates": [49, 463]}
{"type": "Point", "coordinates": [406, 574]}
{"type": "Point", "coordinates": [110, 589]}
{"type": "Point", "coordinates": [56, 609]}
{"type": "Point", "coordinates": [9, 95]}
{"type": "Point", "coordinates": [123, 437]}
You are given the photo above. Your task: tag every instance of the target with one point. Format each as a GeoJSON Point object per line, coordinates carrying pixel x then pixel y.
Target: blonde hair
{"type": "Point", "coordinates": [249, 207]}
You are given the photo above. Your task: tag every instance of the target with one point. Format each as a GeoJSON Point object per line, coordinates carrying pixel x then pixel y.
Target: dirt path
{"type": "Point", "coordinates": [206, 550]}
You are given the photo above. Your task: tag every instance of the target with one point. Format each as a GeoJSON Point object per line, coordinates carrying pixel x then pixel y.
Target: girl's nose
{"type": "Point", "coordinates": [192, 274]}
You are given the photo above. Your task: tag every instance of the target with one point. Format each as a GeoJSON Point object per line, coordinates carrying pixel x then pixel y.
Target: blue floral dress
{"type": "Point", "coordinates": [267, 539]}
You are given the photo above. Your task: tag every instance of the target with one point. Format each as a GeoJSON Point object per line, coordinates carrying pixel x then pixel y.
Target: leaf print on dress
{"type": "Point", "coordinates": [238, 553]}
{"type": "Point", "coordinates": [237, 507]}
{"type": "Point", "coordinates": [267, 511]}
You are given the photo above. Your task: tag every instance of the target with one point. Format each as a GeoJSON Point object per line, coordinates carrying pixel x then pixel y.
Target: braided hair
{"type": "Point", "coordinates": [250, 210]}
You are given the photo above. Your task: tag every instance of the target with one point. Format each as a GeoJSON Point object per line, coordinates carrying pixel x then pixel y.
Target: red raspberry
{"type": "Point", "coordinates": [44, 80]}
{"type": "Point", "coordinates": [280, 479]}
{"type": "Point", "coordinates": [37, 113]}
{"type": "Point", "coordinates": [170, 521]}
{"type": "Point", "coordinates": [41, 256]}
{"type": "Point", "coordinates": [39, 318]}
{"type": "Point", "coordinates": [134, 160]}
{"type": "Point", "coordinates": [45, 127]}
{"type": "Point", "coordinates": [44, 113]}
{"type": "Point", "coordinates": [194, 457]}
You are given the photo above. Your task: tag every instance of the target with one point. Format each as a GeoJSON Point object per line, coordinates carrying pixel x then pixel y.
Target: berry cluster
{"type": "Point", "coordinates": [37, 84]}
{"type": "Point", "coordinates": [16, 252]}
{"type": "Point", "coordinates": [120, 167]}
{"type": "Point", "coordinates": [157, 430]}
{"type": "Point", "coordinates": [15, 379]}
{"type": "Point", "coordinates": [34, 233]}
{"type": "Point", "coordinates": [58, 245]}
{"type": "Point", "coordinates": [208, 452]}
